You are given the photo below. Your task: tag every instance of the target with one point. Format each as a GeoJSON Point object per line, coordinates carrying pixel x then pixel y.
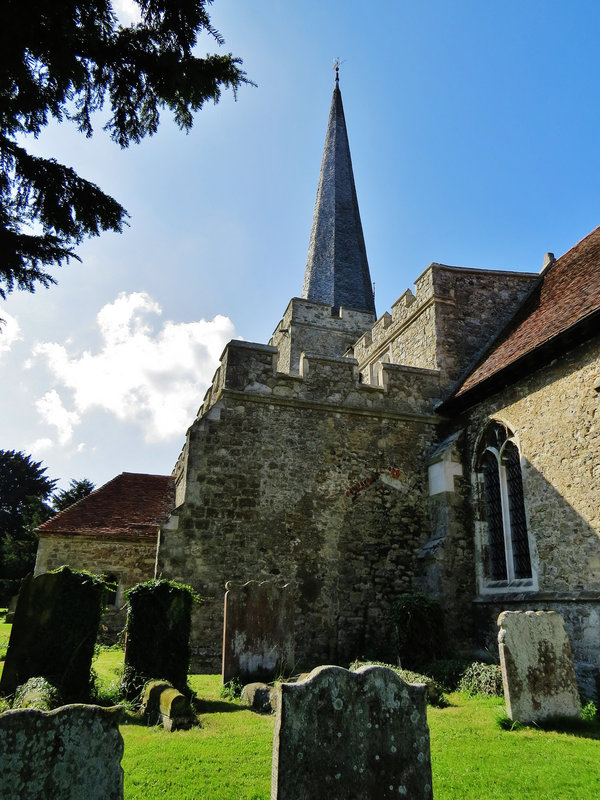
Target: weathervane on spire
{"type": "Point", "coordinates": [337, 63]}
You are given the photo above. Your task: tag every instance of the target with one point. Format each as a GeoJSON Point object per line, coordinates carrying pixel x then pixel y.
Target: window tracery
{"type": "Point", "coordinates": [506, 550]}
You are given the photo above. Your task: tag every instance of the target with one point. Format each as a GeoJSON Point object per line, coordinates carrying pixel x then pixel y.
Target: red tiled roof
{"type": "Point", "coordinates": [567, 293]}
{"type": "Point", "coordinates": [131, 505]}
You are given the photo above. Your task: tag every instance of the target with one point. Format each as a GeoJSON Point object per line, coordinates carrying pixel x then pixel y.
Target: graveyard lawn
{"type": "Point", "coordinates": [229, 758]}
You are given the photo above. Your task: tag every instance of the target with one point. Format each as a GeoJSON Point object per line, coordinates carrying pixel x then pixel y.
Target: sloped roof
{"type": "Point", "coordinates": [564, 300]}
{"type": "Point", "coordinates": [130, 505]}
{"type": "Point", "coordinates": [337, 270]}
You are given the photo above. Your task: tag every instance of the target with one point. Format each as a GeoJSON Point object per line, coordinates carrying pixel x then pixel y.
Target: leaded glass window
{"type": "Point", "coordinates": [509, 558]}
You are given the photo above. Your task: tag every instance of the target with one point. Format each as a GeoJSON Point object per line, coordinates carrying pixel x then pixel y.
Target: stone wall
{"type": "Point", "coordinates": [555, 416]}
{"type": "Point", "coordinates": [318, 480]}
{"type": "Point", "coordinates": [453, 314]}
{"type": "Point", "coordinates": [312, 327]}
{"type": "Point", "coordinates": [132, 560]}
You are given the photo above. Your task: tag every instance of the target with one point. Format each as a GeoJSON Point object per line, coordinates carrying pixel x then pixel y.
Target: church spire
{"type": "Point", "coordinates": [337, 270]}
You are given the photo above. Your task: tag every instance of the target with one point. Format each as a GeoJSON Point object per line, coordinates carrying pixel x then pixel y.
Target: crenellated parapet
{"type": "Point", "coordinates": [250, 370]}
{"type": "Point", "coordinates": [309, 326]}
{"type": "Point", "coordinates": [453, 314]}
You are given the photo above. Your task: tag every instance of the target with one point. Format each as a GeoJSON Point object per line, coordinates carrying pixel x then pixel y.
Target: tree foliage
{"type": "Point", "coordinates": [64, 60]}
{"type": "Point", "coordinates": [24, 493]}
{"type": "Point", "coordinates": [78, 489]}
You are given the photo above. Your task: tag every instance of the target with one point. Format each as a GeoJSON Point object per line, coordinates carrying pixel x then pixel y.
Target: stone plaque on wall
{"type": "Point", "coordinates": [258, 631]}
{"type": "Point", "coordinates": [349, 735]}
{"type": "Point", "coordinates": [537, 666]}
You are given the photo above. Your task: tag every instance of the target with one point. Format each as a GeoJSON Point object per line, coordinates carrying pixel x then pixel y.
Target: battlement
{"type": "Point", "coordinates": [452, 314]}
{"type": "Point", "coordinates": [251, 369]}
{"type": "Point", "coordinates": [316, 327]}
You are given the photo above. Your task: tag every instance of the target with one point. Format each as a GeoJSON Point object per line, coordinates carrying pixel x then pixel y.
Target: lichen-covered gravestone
{"type": "Point", "coordinates": [258, 631]}
{"type": "Point", "coordinates": [350, 735]}
{"type": "Point", "coordinates": [54, 633]}
{"type": "Point", "coordinates": [537, 666]}
{"type": "Point", "coordinates": [71, 753]}
{"type": "Point", "coordinates": [158, 633]}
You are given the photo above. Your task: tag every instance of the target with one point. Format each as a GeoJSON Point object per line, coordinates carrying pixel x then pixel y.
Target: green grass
{"type": "Point", "coordinates": [473, 757]}
{"type": "Point", "coordinates": [228, 758]}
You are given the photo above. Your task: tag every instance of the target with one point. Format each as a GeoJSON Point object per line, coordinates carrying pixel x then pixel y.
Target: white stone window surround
{"type": "Point", "coordinates": [511, 584]}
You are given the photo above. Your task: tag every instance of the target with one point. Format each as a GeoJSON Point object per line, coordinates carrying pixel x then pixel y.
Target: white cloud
{"type": "Point", "coordinates": [40, 446]}
{"type": "Point", "coordinates": [10, 331]}
{"type": "Point", "coordinates": [153, 378]}
{"type": "Point", "coordinates": [52, 411]}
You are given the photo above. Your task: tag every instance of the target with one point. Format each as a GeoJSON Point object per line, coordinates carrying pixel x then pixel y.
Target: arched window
{"type": "Point", "coordinates": [501, 481]}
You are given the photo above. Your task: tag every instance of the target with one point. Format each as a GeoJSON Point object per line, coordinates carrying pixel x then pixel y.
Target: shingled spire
{"type": "Point", "coordinates": [337, 270]}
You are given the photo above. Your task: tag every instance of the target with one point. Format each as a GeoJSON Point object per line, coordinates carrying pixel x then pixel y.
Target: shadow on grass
{"type": "Point", "coordinates": [202, 706]}
{"type": "Point", "coordinates": [583, 729]}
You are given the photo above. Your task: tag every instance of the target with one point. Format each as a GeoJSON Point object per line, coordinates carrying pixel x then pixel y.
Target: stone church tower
{"type": "Point", "coordinates": [451, 445]}
{"type": "Point", "coordinates": [308, 461]}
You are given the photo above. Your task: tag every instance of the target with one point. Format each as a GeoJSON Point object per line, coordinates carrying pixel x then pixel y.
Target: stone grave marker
{"type": "Point", "coordinates": [537, 666]}
{"type": "Point", "coordinates": [163, 704]}
{"type": "Point", "coordinates": [157, 636]}
{"type": "Point", "coordinates": [71, 753]}
{"type": "Point", "coordinates": [54, 633]}
{"type": "Point", "coordinates": [350, 736]}
{"type": "Point", "coordinates": [258, 631]}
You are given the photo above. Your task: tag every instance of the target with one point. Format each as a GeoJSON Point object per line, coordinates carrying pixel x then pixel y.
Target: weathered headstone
{"type": "Point", "coordinates": [349, 735]}
{"type": "Point", "coordinates": [71, 753]}
{"type": "Point", "coordinates": [54, 633]}
{"type": "Point", "coordinates": [163, 705]}
{"type": "Point", "coordinates": [258, 631]}
{"type": "Point", "coordinates": [537, 666]}
{"type": "Point", "coordinates": [158, 633]}
{"type": "Point", "coordinates": [260, 697]}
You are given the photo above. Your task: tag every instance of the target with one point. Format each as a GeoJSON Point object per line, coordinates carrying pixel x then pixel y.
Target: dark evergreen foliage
{"type": "Point", "coordinates": [158, 632]}
{"type": "Point", "coordinates": [24, 492]}
{"type": "Point", "coordinates": [63, 60]}
{"type": "Point", "coordinates": [418, 626]}
{"type": "Point", "coordinates": [78, 489]}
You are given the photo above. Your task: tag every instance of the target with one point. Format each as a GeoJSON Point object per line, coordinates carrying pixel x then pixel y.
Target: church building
{"type": "Point", "coordinates": [450, 445]}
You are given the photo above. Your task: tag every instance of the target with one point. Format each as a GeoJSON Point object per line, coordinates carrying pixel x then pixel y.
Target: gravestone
{"type": "Point", "coordinates": [260, 697]}
{"type": "Point", "coordinates": [258, 631]}
{"type": "Point", "coordinates": [163, 705]}
{"type": "Point", "coordinates": [350, 735]}
{"type": "Point", "coordinates": [71, 753]}
{"type": "Point", "coordinates": [54, 633]}
{"type": "Point", "coordinates": [157, 638]}
{"type": "Point", "coordinates": [537, 666]}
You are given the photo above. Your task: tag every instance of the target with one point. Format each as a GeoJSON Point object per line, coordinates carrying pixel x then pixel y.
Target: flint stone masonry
{"type": "Point", "coordinates": [351, 735]}
{"type": "Point", "coordinates": [453, 314]}
{"type": "Point", "coordinates": [132, 560]}
{"type": "Point", "coordinates": [71, 753]}
{"type": "Point", "coordinates": [310, 327]}
{"type": "Point", "coordinates": [537, 666]}
{"type": "Point", "coordinates": [560, 459]}
{"type": "Point", "coordinates": [258, 631]}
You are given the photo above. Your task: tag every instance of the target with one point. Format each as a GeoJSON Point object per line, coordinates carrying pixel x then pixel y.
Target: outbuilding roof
{"type": "Point", "coordinates": [131, 505]}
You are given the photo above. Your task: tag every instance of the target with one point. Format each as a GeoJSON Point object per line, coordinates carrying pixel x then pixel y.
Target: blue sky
{"type": "Point", "coordinates": [474, 134]}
